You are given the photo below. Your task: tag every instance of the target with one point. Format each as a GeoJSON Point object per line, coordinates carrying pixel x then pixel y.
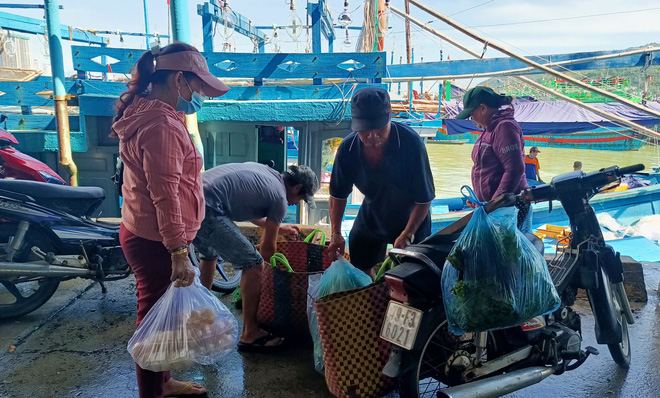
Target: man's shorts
{"type": "Point", "coordinates": [220, 237]}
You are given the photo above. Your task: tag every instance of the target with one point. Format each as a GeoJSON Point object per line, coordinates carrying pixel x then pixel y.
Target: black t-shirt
{"type": "Point", "coordinates": [392, 189]}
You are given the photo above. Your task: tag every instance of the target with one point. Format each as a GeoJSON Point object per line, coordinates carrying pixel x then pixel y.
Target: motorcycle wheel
{"type": "Point", "coordinates": [429, 375]}
{"type": "Point", "coordinates": [608, 297]}
{"type": "Point", "coordinates": [620, 352]}
{"type": "Point", "coordinates": [22, 295]}
{"type": "Point", "coordinates": [226, 278]}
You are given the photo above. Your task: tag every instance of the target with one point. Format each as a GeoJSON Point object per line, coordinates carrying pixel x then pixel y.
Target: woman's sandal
{"type": "Point", "coordinates": [188, 390]}
{"type": "Point", "coordinates": [260, 344]}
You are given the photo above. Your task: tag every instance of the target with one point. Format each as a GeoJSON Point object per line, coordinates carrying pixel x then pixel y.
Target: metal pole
{"type": "Point", "coordinates": [529, 69]}
{"type": "Point", "coordinates": [410, 85]}
{"type": "Point", "coordinates": [180, 21]}
{"type": "Point", "coordinates": [59, 91]}
{"type": "Point", "coordinates": [399, 87]}
{"type": "Point", "coordinates": [408, 48]}
{"type": "Point", "coordinates": [635, 126]}
{"type": "Point", "coordinates": [146, 23]}
{"type": "Point", "coordinates": [181, 32]}
{"type": "Point", "coordinates": [536, 65]}
{"type": "Point", "coordinates": [389, 85]}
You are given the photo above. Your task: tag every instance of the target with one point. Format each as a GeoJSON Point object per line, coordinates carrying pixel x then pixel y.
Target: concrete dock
{"type": "Point", "coordinates": [75, 346]}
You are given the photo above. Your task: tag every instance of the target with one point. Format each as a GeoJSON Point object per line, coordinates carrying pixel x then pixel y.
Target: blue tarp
{"type": "Point", "coordinates": [557, 117]}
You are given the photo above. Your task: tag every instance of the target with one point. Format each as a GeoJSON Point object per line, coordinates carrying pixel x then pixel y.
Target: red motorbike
{"type": "Point", "coordinates": [17, 165]}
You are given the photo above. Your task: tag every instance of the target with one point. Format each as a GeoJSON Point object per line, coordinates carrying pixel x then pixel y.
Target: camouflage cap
{"type": "Point", "coordinates": [307, 178]}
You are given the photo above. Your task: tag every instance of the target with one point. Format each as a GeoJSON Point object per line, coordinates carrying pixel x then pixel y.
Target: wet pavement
{"type": "Point", "coordinates": [75, 346]}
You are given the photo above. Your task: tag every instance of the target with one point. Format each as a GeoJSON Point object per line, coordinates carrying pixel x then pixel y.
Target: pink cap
{"type": "Point", "coordinates": [192, 61]}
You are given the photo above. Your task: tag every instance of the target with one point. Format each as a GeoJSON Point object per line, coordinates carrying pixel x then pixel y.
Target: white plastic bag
{"type": "Point", "coordinates": [187, 325]}
{"type": "Point", "coordinates": [312, 296]}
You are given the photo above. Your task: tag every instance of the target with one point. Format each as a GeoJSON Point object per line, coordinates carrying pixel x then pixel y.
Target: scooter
{"type": "Point", "coordinates": [17, 165]}
{"type": "Point", "coordinates": [47, 235]}
{"type": "Point", "coordinates": [430, 361]}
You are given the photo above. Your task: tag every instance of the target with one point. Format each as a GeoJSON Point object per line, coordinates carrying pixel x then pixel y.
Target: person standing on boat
{"type": "Point", "coordinates": [532, 167]}
{"type": "Point", "coordinates": [257, 193]}
{"type": "Point", "coordinates": [388, 163]}
{"type": "Point", "coordinates": [498, 155]}
{"type": "Point", "coordinates": [162, 188]}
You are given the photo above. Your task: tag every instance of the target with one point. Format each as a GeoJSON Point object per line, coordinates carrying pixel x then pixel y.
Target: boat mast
{"type": "Point", "coordinates": [637, 127]}
{"type": "Point", "coordinates": [408, 53]}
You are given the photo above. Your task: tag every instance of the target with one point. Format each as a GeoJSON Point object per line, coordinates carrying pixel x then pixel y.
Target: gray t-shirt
{"type": "Point", "coordinates": [245, 192]}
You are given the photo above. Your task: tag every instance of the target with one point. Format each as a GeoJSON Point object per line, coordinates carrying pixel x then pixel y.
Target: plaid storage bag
{"type": "Point", "coordinates": [283, 301]}
{"type": "Point", "coordinates": [353, 353]}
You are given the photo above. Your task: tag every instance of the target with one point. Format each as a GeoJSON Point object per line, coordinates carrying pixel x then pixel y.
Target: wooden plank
{"type": "Point", "coordinates": [464, 67]}
{"type": "Point", "coordinates": [240, 93]}
{"type": "Point", "coordinates": [249, 65]}
{"type": "Point", "coordinates": [19, 23]}
{"type": "Point", "coordinates": [310, 92]}
{"type": "Point", "coordinates": [277, 111]}
{"type": "Point", "coordinates": [300, 66]}
{"type": "Point", "coordinates": [46, 141]}
{"type": "Point", "coordinates": [16, 121]}
{"type": "Point", "coordinates": [124, 59]}
{"type": "Point", "coordinates": [25, 93]}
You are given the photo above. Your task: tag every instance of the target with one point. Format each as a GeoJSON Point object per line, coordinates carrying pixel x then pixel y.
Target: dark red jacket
{"type": "Point", "coordinates": [498, 156]}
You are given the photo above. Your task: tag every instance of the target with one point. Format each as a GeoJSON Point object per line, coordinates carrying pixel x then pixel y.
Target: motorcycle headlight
{"type": "Point", "coordinates": [51, 179]}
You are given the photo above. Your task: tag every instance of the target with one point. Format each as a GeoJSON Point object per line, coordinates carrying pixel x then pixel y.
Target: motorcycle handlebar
{"type": "Point", "coordinates": [630, 169]}
{"type": "Point", "coordinates": [591, 182]}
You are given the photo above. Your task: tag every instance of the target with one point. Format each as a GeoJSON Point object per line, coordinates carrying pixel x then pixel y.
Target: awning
{"type": "Point", "coordinates": [558, 117]}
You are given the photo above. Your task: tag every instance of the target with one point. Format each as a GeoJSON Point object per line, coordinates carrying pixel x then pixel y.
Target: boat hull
{"type": "Point", "coordinates": [593, 140]}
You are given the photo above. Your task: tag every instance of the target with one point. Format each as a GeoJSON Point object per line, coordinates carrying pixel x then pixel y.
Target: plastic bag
{"type": "Point", "coordinates": [340, 276]}
{"type": "Point", "coordinates": [187, 325]}
{"type": "Point", "coordinates": [494, 277]}
{"type": "Point", "coordinates": [312, 296]}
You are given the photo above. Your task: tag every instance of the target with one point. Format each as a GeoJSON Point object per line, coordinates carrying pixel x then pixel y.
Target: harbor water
{"type": "Point", "coordinates": [451, 164]}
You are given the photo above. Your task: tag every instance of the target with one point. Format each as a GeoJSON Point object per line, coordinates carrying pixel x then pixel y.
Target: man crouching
{"type": "Point", "coordinates": [249, 192]}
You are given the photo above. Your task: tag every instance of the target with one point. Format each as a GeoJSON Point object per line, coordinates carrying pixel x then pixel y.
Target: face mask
{"type": "Point", "coordinates": [532, 155]}
{"type": "Point", "coordinates": [192, 106]}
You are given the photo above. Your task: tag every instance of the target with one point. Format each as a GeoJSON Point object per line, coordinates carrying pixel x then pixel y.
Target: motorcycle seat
{"type": "Point", "coordinates": [77, 201]}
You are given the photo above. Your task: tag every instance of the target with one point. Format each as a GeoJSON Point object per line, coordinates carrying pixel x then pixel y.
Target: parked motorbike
{"type": "Point", "coordinates": [17, 165]}
{"type": "Point", "coordinates": [47, 236]}
{"type": "Point", "coordinates": [430, 361]}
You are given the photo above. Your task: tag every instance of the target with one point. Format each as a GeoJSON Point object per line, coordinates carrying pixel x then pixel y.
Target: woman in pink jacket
{"type": "Point", "coordinates": [499, 154]}
{"type": "Point", "coordinates": [162, 189]}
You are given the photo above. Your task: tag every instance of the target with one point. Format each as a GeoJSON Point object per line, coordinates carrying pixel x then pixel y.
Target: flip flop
{"type": "Point", "coordinates": [260, 344]}
{"type": "Point", "coordinates": [188, 390]}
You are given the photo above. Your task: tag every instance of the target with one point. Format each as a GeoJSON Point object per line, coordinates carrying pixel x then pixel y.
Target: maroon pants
{"type": "Point", "coordinates": [152, 265]}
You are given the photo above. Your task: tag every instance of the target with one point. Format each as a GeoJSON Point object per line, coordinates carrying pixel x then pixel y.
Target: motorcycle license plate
{"type": "Point", "coordinates": [401, 324]}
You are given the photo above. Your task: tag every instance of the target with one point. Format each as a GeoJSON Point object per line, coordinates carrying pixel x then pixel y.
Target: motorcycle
{"type": "Point", "coordinates": [430, 361]}
{"type": "Point", "coordinates": [17, 165]}
{"type": "Point", "coordinates": [47, 236]}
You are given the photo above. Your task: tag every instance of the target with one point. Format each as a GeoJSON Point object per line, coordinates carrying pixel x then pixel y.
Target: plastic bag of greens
{"type": "Point", "coordinates": [494, 277]}
{"type": "Point", "coordinates": [187, 325]}
{"type": "Point", "coordinates": [340, 276]}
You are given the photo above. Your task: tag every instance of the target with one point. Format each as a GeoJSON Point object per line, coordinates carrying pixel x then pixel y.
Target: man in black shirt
{"type": "Point", "coordinates": [388, 163]}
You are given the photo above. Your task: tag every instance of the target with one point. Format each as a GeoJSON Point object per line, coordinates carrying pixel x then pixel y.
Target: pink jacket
{"type": "Point", "coordinates": [163, 196]}
{"type": "Point", "coordinates": [498, 157]}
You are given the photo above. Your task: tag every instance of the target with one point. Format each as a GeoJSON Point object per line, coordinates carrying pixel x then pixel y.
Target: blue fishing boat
{"type": "Point", "coordinates": [601, 139]}
{"type": "Point", "coordinates": [624, 206]}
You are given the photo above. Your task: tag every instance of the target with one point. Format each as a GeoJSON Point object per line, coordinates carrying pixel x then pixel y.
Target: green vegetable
{"type": "Point", "coordinates": [456, 258]}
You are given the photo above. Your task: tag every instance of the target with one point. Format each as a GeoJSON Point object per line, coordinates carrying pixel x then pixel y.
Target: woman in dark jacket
{"type": "Point", "coordinates": [499, 154]}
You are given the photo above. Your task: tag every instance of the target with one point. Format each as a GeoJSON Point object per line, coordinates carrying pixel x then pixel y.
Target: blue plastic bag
{"type": "Point", "coordinates": [494, 277]}
{"type": "Point", "coordinates": [340, 276]}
